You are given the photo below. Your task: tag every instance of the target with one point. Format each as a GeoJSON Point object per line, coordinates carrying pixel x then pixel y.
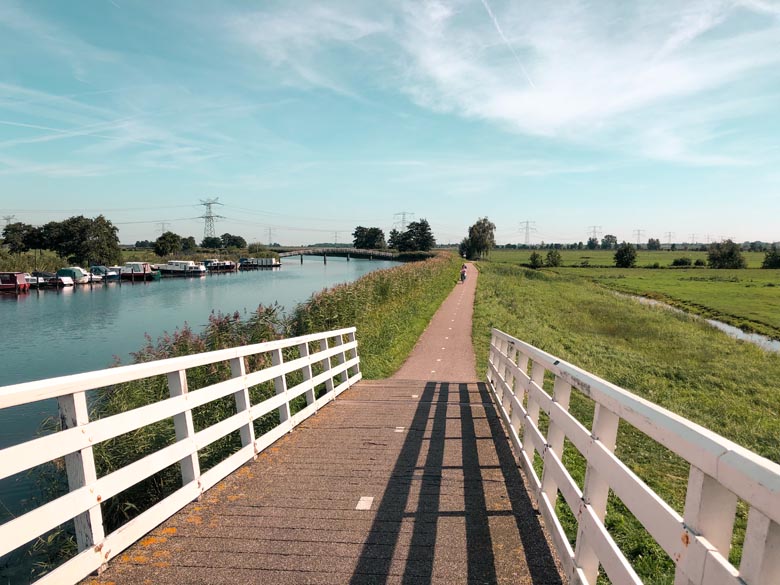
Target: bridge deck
{"type": "Point", "coordinates": [449, 503]}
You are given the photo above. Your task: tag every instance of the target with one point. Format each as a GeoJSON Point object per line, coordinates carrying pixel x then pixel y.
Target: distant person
{"type": "Point", "coordinates": [463, 273]}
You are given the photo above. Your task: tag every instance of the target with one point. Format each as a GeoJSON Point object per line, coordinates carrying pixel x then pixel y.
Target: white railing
{"type": "Point", "coordinates": [698, 542]}
{"type": "Point", "coordinates": [334, 364]}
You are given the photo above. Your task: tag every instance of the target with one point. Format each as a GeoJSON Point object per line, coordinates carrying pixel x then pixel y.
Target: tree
{"type": "Point", "coordinates": [421, 235]}
{"type": "Point", "coordinates": [372, 238]}
{"type": "Point", "coordinates": [481, 238]}
{"type": "Point", "coordinates": [725, 254]}
{"type": "Point", "coordinates": [231, 241]}
{"type": "Point", "coordinates": [188, 244]}
{"type": "Point", "coordinates": [535, 260]}
{"type": "Point", "coordinates": [625, 256]}
{"type": "Point", "coordinates": [211, 242]}
{"type": "Point", "coordinates": [554, 258]}
{"type": "Point", "coordinates": [608, 242]}
{"type": "Point", "coordinates": [16, 237]}
{"type": "Point", "coordinates": [653, 244]}
{"type": "Point", "coordinates": [592, 244]}
{"type": "Point", "coordinates": [144, 244]}
{"type": "Point", "coordinates": [100, 244]}
{"type": "Point", "coordinates": [771, 258]}
{"type": "Point", "coordinates": [168, 243]}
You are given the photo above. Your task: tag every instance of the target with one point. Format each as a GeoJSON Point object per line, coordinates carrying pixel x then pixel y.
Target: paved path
{"type": "Point", "coordinates": [444, 351]}
{"type": "Point", "coordinates": [397, 482]}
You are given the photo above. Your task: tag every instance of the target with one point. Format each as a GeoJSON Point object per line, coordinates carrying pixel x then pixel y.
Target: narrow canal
{"type": "Point", "coordinates": [53, 333]}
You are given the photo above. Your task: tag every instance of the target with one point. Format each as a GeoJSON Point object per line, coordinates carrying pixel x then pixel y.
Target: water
{"type": "Point", "coordinates": [51, 333]}
{"type": "Point", "coordinates": [762, 341]}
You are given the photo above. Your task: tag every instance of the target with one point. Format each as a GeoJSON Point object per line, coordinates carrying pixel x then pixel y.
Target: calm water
{"type": "Point", "coordinates": [50, 333]}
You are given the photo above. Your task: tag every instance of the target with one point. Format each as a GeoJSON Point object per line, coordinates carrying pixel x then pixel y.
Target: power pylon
{"type": "Point", "coordinates": [8, 219]}
{"type": "Point", "coordinates": [639, 234]}
{"type": "Point", "coordinates": [403, 215]}
{"type": "Point", "coordinates": [528, 226]}
{"type": "Point", "coordinates": [595, 231]}
{"type": "Point", "coordinates": [669, 236]}
{"type": "Point", "coordinates": [209, 216]}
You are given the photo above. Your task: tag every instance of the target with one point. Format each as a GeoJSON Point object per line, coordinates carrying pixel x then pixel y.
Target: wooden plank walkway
{"type": "Point", "coordinates": [397, 481]}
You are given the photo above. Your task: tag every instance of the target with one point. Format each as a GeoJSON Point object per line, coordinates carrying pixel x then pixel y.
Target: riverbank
{"type": "Point", "coordinates": [675, 361]}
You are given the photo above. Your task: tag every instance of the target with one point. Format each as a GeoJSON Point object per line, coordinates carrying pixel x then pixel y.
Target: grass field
{"type": "Point", "coordinates": [748, 298]}
{"type": "Point", "coordinates": [669, 358]}
{"type": "Point", "coordinates": [606, 258]}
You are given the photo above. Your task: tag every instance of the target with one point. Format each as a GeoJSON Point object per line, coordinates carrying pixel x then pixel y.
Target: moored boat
{"type": "Point", "coordinates": [107, 274]}
{"type": "Point", "coordinates": [181, 268]}
{"type": "Point", "coordinates": [13, 282]}
{"type": "Point", "coordinates": [215, 265]}
{"type": "Point", "coordinates": [77, 273]}
{"type": "Point", "coordinates": [256, 263]}
{"type": "Point", "coordinates": [141, 271]}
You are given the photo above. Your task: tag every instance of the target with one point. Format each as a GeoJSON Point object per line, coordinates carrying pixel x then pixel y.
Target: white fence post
{"type": "Point", "coordinates": [303, 348]}
{"type": "Point", "coordinates": [537, 377]}
{"type": "Point", "coordinates": [341, 357]}
{"type": "Point", "coordinates": [243, 402]}
{"type": "Point", "coordinates": [761, 551]}
{"type": "Point", "coordinates": [329, 385]}
{"type": "Point", "coordinates": [555, 437]}
{"type": "Point", "coordinates": [185, 428]}
{"type": "Point", "coordinates": [351, 338]}
{"type": "Point", "coordinates": [80, 467]}
{"type": "Point", "coordinates": [709, 511]}
{"type": "Point", "coordinates": [280, 386]}
{"type": "Point", "coordinates": [595, 491]}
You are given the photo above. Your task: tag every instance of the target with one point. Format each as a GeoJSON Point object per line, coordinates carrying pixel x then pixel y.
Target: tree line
{"type": "Point", "coordinates": [417, 237]}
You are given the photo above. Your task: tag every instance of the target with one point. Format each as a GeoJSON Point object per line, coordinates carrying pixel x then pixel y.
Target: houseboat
{"type": "Point", "coordinates": [256, 263]}
{"type": "Point", "coordinates": [141, 271]}
{"type": "Point", "coordinates": [181, 268]}
{"type": "Point", "coordinates": [13, 282]}
{"type": "Point", "coordinates": [214, 265]}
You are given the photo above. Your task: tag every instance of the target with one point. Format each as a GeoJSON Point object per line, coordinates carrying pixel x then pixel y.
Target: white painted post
{"type": "Point", "coordinates": [709, 511]}
{"type": "Point", "coordinates": [80, 467]}
{"type": "Point", "coordinates": [243, 402]}
{"type": "Point", "coordinates": [350, 339]}
{"type": "Point", "coordinates": [329, 386]}
{"type": "Point", "coordinates": [595, 491]}
{"type": "Point", "coordinates": [280, 386]}
{"type": "Point", "coordinates": [341, 357]}
{"type": "Point", "coordinates": [555, 437]}
{"type": "Point", "coordinates": [761, 551]}
{"type": "Point", "coordinates": [537, 376]}
{"type": "Point", "coordinates": [303, 348]}
{"type": "Point", "coordinates": [182, 423]}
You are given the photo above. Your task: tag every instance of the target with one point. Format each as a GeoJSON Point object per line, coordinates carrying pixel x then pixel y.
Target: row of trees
{"type": "Point", "coordinates": [171, 243]}
{"type": "Point", "coordinates": [417, 237]}
{"type": "Point", "coordinates": [80, 239]}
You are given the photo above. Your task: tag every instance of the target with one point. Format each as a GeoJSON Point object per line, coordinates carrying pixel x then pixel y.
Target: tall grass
{"type": "Point", "coordinates": [673, 360]}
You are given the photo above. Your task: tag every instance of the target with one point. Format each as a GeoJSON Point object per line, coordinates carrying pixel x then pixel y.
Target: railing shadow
{"type": "Point", "coordinates": [379, 559]}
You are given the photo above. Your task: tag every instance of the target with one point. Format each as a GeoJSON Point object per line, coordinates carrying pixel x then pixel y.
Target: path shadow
{"type": "Point", "coordinates": [379, 558]}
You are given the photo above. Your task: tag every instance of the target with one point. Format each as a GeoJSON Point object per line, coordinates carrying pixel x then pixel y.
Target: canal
{"type": "Point", "coordinates": [51, 333]}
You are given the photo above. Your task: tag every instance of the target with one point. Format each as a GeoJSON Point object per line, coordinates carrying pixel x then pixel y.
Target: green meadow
{"type": "Point", "coordinates": [670, 358]}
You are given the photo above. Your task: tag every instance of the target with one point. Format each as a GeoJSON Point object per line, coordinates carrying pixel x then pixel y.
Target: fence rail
{"type": "Point", "coordinates": [721, 472]}
{"type": "Point", "coordinates": [325, 361]}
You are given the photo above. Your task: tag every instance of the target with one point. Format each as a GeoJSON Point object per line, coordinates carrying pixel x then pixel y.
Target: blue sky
{"type": "Point", "coordinates": [307, 119]}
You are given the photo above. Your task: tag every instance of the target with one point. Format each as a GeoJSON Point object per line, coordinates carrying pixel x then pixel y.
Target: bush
{"type": "Point", "coordinates": [535, 261]}
{"type": "Point", "coordinates": [725, 254]}
{"type": "Point", "coordinates": [554, 258]}
{"type": "Point", "coordinates": [625, 256]}
{"type": "Point", "coordinates": [684, 261]}
{"type": "Point", "coordinates": [771, 258]}
{"type": "Point", "coordinates": [699, 262]}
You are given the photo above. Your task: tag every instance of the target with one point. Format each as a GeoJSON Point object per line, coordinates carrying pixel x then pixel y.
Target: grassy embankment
{"type": "Point", "coordinates": [673, 360]}
{"type": "Point", "coordinates": [390, 309]}
{"type": "Point", "coordinates": [606, 258]}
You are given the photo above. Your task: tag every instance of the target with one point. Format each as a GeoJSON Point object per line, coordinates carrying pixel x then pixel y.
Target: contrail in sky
{"type": "Point", "coordinates": [507, 43]}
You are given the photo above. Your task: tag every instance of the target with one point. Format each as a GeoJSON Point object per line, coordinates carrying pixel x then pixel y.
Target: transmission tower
{"type": "Point", "coordinates": [8, 219]}
{"type": "Point", "coordinates": [594, 231]}
{"type": "Point", "coordinates": [669, 236]}
{"type": "Point", "coordinates": [402, 215]}
{"type": "Point", "coordinates": [270, 236]}
{"type": "Point", "coordinates": [209, 217]}
{"type": "Point", "coordinates": [639, 234]}
{"type": "Point", "coordinates": [528, 226]}
{"type": "Point", "coordinates": [693, 238]}
{"type": "Point", "coordinates": [163, 225]}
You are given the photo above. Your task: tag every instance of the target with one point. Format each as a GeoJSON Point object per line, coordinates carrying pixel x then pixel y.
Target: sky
{"type": "Point", "coordinates": [555, 120]}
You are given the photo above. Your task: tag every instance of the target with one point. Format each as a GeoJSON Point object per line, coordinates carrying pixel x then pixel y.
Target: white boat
{"type": "Point", "coordinates": [104, 273]}
{"type": "Point", "coordinates": [181, 268]}
{"type": "Point", "coordinates": [141, 271]}
{"type": "Point", "coordinates": [215, 265]}
{"type": "Point", "coordinates": [77, 273]}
